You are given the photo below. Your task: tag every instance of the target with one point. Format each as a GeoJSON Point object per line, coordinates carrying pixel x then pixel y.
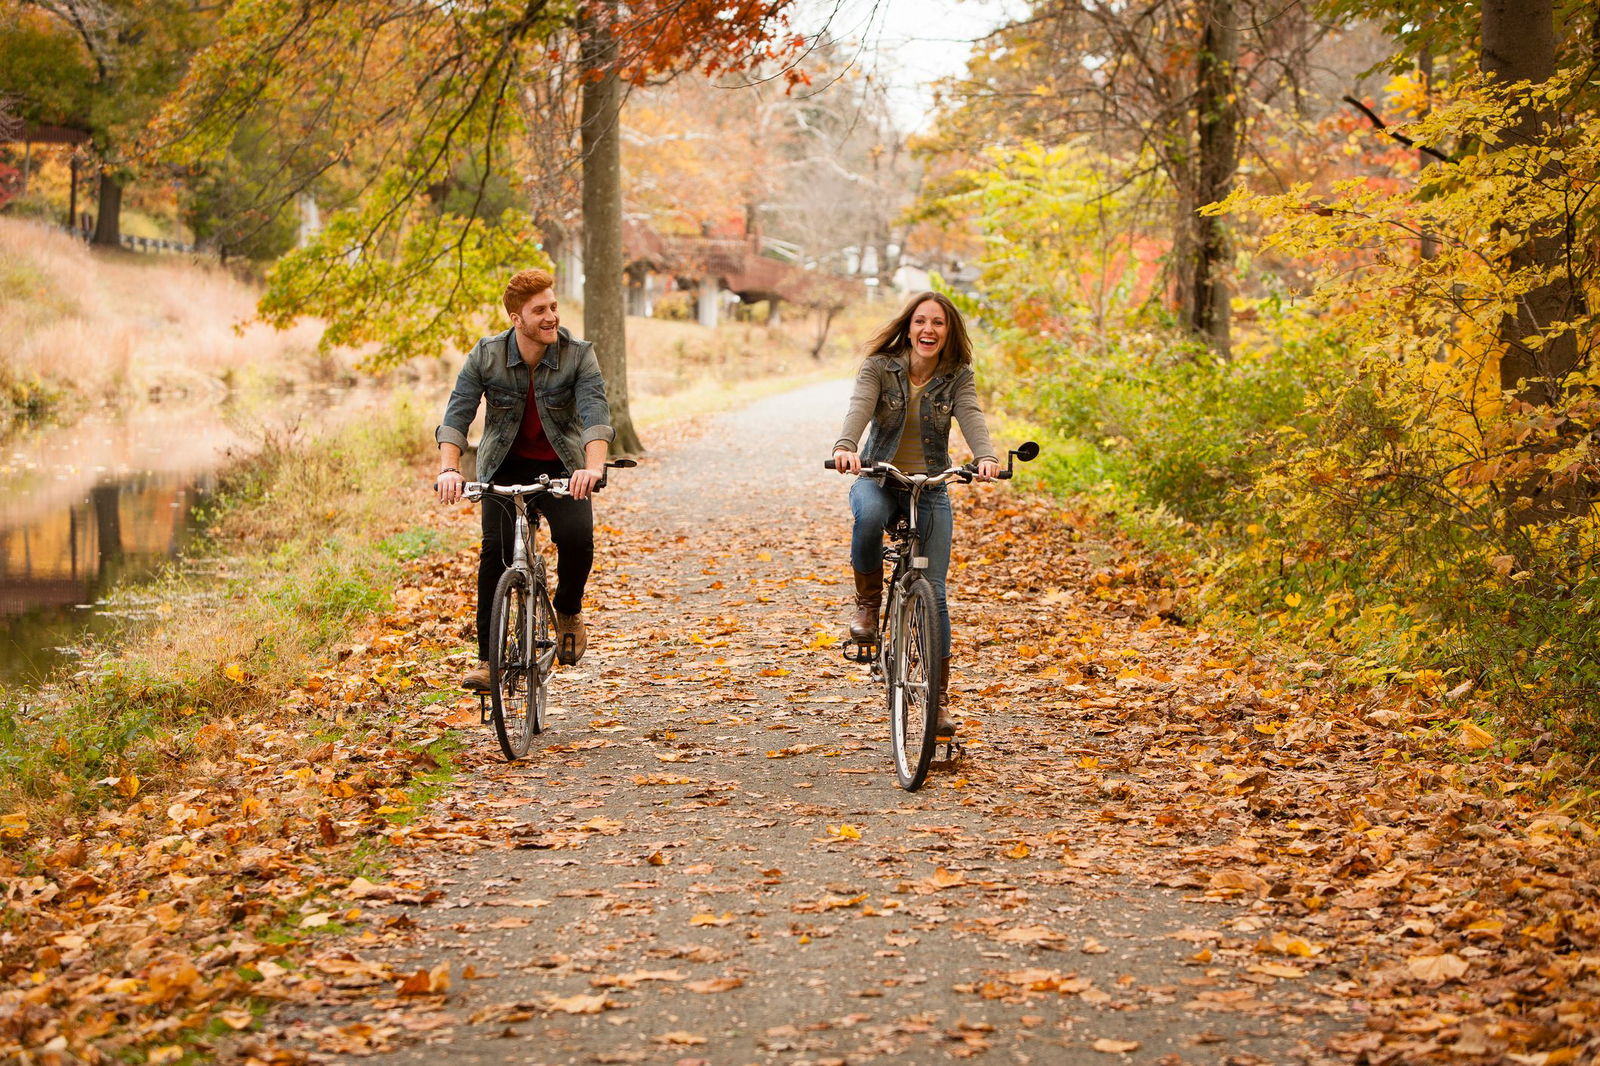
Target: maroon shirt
{"type": "Point", "coordinates": [531, 442]}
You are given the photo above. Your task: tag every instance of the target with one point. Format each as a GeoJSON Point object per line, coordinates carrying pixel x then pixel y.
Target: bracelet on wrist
{"type": "Point", "coordinates": [446, 470]}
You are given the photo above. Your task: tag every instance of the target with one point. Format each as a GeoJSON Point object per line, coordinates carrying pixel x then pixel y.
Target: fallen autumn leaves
{"type": "Point", "coordinates": [1459, 911]}
{"type": "Point", "coordinates": [1347, 844]}
{"type": "Point", "coordinates": [153, 924]}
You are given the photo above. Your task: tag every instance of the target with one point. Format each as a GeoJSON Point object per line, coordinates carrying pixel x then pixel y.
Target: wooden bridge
{"type": "Point", "coordinates": [749, 268]}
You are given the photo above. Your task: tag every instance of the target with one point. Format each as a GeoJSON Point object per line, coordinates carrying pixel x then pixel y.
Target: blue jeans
{"type": "Point", "coordinates": [874, 507]}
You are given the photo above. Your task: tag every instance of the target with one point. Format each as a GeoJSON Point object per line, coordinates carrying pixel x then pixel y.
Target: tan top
{"type": "Point", "coordinates": [908, 459]}
{"type": "Point", "coordinates": [873, 383]}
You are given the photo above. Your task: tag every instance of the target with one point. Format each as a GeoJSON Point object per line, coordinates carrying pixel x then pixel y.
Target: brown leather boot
{"type": "Point", "coordinates": [945, 726]}
{"type": "Point", "coordinates": [869, 599]}
{"type": "Point", "coordinates": [571, 638]}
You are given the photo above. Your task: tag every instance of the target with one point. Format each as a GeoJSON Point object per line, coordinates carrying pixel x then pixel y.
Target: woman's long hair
{"type": "Point", "coordinates": [895, 338]}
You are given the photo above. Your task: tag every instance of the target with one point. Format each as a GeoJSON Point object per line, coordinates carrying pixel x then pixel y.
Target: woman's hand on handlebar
{"type": "Point", "coordinates": [846, 462]}
{"type": "Point", "coordinates": [988, 469]}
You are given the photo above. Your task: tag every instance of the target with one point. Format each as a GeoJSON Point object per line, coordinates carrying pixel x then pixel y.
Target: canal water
{"type": "Point", "coordinates": [111, 501]}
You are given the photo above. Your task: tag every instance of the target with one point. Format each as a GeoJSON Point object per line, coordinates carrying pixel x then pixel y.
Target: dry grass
{"type": "Point", "coordinates": [92, 326]}
{"type": "Point", "coordinates": [86, 327]}
{"type": "Point", "coordinates": [679, 370]}
{"type": "Point", "coordinates": [105, 325]}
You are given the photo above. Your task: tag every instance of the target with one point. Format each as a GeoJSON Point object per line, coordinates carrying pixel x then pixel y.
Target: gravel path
{"type": "Point", "coordinates": [711, 863]}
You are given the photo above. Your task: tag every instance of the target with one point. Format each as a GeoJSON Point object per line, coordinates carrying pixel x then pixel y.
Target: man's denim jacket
{"type": "Point", "coordinates": [569, 394]}
{"type": "Point", "coordinates": [880, 396]}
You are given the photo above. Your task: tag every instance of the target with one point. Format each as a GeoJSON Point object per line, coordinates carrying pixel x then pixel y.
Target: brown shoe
{"type": "Point", "coordinates": [477, 679]}
{"type": "Point", "coordinates": [869, 599]}
{"type": "Point", "coordinates": [571, 638]}
{"type": "Point", "coordinates": [945, 726]}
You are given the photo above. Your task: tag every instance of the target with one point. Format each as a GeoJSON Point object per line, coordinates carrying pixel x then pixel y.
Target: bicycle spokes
{"type": "Point", "coordinates": [913, 683]}
{"type": "Point", "coordinates": [513, 686]}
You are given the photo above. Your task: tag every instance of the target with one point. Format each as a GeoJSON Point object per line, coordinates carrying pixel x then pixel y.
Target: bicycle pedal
{"type": "Point", "coordinates": [860, 652]}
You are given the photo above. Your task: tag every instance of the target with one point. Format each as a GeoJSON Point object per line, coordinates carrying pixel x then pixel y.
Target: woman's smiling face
{"type": "Point", "coordinates": [929, 329]}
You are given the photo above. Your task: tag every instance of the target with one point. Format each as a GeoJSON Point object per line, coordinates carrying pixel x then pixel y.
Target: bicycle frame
{"type": "Point", "coordinates": [522, 555]}
{"type": "Point", "coordinates": [902, 549]}
{"type": "Point", "coordinates": [522, 541]}
{"type": "Point", "coordinates": [523, 653]}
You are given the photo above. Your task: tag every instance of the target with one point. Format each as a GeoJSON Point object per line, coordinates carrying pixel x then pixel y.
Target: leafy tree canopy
{"type": "Point", "coordinates": [411, 123]}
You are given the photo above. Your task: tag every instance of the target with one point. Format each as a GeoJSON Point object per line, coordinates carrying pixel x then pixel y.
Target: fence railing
{"type": "Point", "coordinates": [155, 244]}
{"type": "Point", "coordinates": [84, 230]}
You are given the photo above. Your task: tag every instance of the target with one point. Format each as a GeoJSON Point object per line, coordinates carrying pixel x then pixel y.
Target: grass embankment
{"type": "Point", "coordinates": [86, 326]}
{"type": "Point", "coordinates": [1170, 478]}
{"type": "Point", "coordinates": [309, 542]}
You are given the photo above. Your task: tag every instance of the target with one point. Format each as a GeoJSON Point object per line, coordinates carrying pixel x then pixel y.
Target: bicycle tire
{"type": "Point", "coordinates": [513, 680]}
{"type": "Point", "coordinates": [544, 650]}
{"type": "Point", "coordinates": [913, 683]}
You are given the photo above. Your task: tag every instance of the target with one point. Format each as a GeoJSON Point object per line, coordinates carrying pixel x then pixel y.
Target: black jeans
{"type": "Point", "coordinates": [571, 525]}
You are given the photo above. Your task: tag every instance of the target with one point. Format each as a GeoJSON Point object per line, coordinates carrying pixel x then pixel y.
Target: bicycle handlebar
{"type": "Point", "coordinates": [965, 472]}
{"type": "Point", "coordinates": [1027, 452]}
{"type": "Point", "coordinates": [556, 486]}
{"type": "Point", "coordinates": [553, 486]}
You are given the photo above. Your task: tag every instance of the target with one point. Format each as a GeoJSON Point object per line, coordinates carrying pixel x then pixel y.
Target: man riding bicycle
{"type": "Point", "coordinates": [546, 415]}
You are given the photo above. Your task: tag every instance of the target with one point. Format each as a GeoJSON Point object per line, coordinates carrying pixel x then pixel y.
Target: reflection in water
{"type": "Point", "coordinates": [55, 567]}
{"type": "Point", "coordinates": [110, 500]}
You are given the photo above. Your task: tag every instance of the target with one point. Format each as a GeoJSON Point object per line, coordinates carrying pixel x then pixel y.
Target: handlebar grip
{"type": "Point", "coordinates": [1003, 475]}
{"type": "Point", "coordinates": [827, 464]}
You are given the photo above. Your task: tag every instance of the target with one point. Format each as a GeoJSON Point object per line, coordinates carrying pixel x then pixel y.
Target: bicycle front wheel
{"type": "Point", "coordinates": [543, 645]}
{"type": "Point", "coordinates": [514, 681]}
{"type": "Point", "coordinates": [913, 682]}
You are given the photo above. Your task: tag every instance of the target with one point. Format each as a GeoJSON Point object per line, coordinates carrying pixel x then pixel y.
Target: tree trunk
{"type": "Point", "coordinates": [604, 296]}
{"type": "Point", "coordinates": [886, 266]}
{"type": "Point", "coordinates": [72, 194]}
{"type": "Point", "coordinates": [1217, 137]}
{"type": "Point", "coordinates": [1519, 45]}
{"type": "Point", "coordinates": [108, 216]}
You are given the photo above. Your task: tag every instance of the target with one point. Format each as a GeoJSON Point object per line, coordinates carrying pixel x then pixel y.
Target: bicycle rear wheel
{"type": "Point", "coordinates": [913, 682]}
{"type": "Point", "coordinates": [514, 681]}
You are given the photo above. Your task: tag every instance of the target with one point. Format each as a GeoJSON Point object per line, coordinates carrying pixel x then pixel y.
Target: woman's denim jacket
{"type": "Point", "coordinates": [880, 396]}
{"type": "Point", "coordinates": [569, 394]}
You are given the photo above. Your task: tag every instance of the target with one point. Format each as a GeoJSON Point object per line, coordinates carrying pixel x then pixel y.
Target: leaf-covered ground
{"type": "Point", "coordinates": [1156, 845]}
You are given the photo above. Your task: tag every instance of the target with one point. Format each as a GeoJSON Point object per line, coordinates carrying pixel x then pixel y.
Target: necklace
{"type": "Point", "coordinates": [911, 372]}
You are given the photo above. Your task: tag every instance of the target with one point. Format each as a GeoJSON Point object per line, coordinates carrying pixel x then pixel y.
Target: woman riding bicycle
{"type": "Point", "coordinates": [920, 362]}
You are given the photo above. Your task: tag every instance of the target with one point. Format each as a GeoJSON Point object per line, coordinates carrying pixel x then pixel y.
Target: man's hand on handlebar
{"type": "Point", "coordinates": [448, 485]}
{"type": "Point", "coordinates": [582, 482]}
{"type": "Point", "coordinates": [847, 462]}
